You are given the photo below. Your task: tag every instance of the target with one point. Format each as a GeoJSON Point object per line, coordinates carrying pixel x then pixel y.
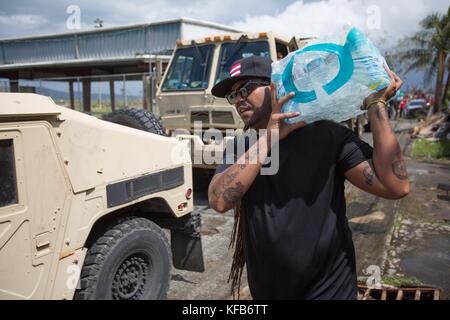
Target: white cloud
{"type": "Point", "coordinates": [320, 18]}
{"type": "Point", "coordinates": [120, 12]}
{"type": "Point", "coordinates": [136, 11]}
{"type": "Point", "coordinates": [289, 17]}
{"type": "Point", "coordinates": [22, 21]}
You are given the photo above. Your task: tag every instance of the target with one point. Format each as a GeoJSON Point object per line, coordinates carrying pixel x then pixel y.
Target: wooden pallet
{"type": "Point", "coordinates": [418, 293]}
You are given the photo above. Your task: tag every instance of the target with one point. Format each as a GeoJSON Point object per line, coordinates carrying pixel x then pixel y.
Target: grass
{"type": "Point", "coordinates": [430, 150]}
{"type": "Point", "coordinates": [401, 282]}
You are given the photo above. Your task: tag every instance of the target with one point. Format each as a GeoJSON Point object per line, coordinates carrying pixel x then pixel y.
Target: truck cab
{"type": "Point", "coordinates": [184, 97]}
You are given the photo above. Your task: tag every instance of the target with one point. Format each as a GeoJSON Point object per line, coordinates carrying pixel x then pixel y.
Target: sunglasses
{"type": "Point", "coordinates": [245, 90]}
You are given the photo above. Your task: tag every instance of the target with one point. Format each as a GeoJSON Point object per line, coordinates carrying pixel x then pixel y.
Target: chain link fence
{"type": "Point", "coordinates": [107, 92]}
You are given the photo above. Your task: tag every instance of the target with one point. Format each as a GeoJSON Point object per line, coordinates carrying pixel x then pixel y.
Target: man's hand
{"type": "Point", "coordinates": [388, 92]}
{"type": "Point", "coordinates": [276, 124]}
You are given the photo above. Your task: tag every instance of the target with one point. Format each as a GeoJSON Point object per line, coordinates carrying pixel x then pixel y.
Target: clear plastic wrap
{"type": "Point", "coordinates": [330, 79]}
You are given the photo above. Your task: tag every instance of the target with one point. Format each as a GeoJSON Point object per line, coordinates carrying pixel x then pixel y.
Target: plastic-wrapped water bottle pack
{"type": "Point", "coordinates": [330, 79]}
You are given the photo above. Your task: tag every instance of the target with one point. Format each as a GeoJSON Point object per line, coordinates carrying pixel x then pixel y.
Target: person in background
{"type": "Point", "coordinates": [402, 107]}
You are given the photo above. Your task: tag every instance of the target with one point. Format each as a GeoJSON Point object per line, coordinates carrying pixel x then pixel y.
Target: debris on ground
{"type": "Point", "coordinates": [436, 126]}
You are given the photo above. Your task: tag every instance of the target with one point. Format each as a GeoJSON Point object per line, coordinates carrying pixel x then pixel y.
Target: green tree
{"type": "Point", "coordinates": [428, 49]}
{"type": "Point", "coordinates": [447, 83]}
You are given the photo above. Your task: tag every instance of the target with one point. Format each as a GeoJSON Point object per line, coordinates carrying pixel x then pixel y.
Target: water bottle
{"type": "Point", "coordinates": [329, 79]}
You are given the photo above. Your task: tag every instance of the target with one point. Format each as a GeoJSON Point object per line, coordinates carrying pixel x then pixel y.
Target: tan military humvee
{"type": "Point", "coordinates": [82, 196]}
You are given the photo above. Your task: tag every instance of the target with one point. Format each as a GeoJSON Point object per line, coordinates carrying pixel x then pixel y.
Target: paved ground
{"type": "Point", "coordinates": [420, 244]}
{"type": "Point", "coordinates": [211, 284]}
{"type": "Point", "coordinates": [371, 218]}
{"type": "Point", "coordinates": [406, 237]}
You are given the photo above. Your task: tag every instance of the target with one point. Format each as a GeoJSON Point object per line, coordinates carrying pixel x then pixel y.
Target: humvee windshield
{"type": "Point", "coordinates": [190, 69]}
{"type": "Point", "coordinates": [232, 51]}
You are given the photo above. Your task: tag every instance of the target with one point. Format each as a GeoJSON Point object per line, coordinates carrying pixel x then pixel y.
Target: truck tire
{"type": "Point", "coordinates": [201, 178]}
{"type": "Point", "coordinates": [130, 261]}
{"type": "Point", "coordinates": [138, 119]}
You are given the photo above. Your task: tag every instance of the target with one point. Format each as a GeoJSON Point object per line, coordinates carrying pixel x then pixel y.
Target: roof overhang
{"type": "Point", "coordinates": [84, 62]}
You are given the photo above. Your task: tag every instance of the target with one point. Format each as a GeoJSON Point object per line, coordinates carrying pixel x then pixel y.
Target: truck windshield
{"type": "Point", "coordinates": [232, 51]}
{"type": "Point", "coordinates": [189, 69]}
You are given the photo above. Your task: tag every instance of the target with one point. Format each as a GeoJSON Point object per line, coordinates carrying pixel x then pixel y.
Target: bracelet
{"type": "Point", "coordinates": [366, 107]}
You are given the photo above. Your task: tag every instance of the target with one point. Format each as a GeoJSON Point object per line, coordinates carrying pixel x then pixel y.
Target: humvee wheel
{"type": "Point", "coordinates": [138, 119]}
{"type": "Point", "coordinates": [201, 178]}
{"type": "Point", "coordinates": [130, 261]}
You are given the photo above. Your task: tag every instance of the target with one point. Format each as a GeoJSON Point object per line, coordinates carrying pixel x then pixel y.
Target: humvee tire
{"type": "Point", "coordinates": [201, 178]}
{"type": "Point", "coordinates": [130, 261]}
{"type": "Point", "coordinates": [138, 119]}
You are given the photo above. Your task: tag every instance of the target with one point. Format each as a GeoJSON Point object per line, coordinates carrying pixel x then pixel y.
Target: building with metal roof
{"type": "Point", "coordinates": [103, 53]}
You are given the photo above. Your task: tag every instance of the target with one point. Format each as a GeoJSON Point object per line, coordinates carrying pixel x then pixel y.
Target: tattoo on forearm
{"type": "Point", "coordinates": [399, 169]}
{"type": "Point", "coordinates": [217, 194]}
{"type": "Point", "coordinates": [368, 175]}
{"type": "Point", "coordinates": [380, 112]}
{"type": "Point", "coordinates": [251, 155]}
{"type": "Point", "coordinates": [232, 195]}
{"type": "Point", "coordinates": [229, 178]}
{"type": "Point", "coordinates": [246, 161]}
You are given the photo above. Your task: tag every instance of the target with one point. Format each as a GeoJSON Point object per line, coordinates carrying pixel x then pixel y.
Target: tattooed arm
{"type": "Point", "coordinates": [385, 175]}
{"type": "Point", "coordinates": [228, 187]}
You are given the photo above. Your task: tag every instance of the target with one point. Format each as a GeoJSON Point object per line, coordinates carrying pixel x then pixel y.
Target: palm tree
{"type": "Point", "coordinates": [447, 83]}
{"type": "Point", "coordinates": [429, 49]}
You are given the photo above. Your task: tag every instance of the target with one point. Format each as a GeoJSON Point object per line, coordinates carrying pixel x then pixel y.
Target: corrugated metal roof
{"type": "Point", "coordinates": [85, 62]}
{"type": "Point", "coordinates": [117, 42]}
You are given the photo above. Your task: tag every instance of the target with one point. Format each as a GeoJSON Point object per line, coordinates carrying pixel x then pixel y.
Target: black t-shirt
{"type": "Point", "coordinates": [297, 241]}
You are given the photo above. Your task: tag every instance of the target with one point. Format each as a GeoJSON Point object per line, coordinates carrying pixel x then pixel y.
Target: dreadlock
{"type": "Point", "coordinates": [236, 241]}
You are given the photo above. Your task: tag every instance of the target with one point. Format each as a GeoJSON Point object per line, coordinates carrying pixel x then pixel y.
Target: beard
{"type": "Point", "coordinates": [261, 114]}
